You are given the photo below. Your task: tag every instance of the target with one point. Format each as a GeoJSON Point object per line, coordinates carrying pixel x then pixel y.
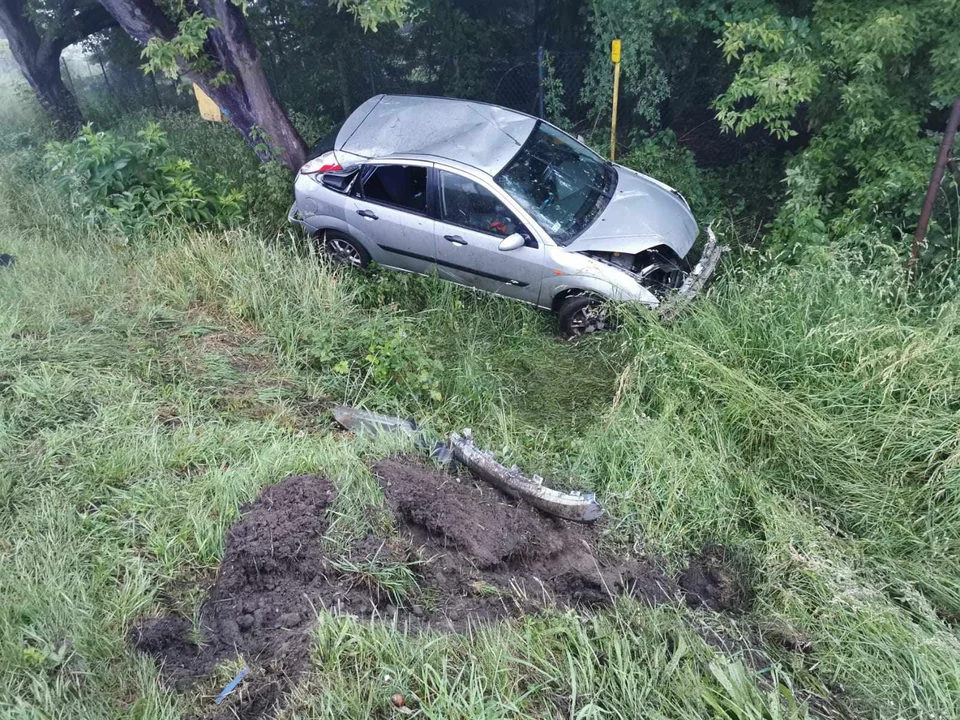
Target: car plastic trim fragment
{"type": "Point", "coordinates": [671, 308]}
{"type": "Point", "coordinates": [575, 506]}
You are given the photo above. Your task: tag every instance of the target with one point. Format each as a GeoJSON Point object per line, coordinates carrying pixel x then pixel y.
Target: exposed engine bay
{"type": "Point", "coordinates": [657, 269]}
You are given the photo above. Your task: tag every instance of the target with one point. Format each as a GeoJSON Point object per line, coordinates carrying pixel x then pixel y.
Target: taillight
{"type": "Point", "coordinates": [322, 164]}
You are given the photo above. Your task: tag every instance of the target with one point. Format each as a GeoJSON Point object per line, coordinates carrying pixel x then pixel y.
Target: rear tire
{"type": "Point", "coordinates": [583, 315]}
{"type": "Point", "coordinates": [341, 249]}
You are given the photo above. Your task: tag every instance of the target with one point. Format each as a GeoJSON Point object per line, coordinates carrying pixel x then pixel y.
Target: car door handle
{"type": "Point", "coordinates": [368, 214]}
{"type": "Point", "coordinates": [455, 239]}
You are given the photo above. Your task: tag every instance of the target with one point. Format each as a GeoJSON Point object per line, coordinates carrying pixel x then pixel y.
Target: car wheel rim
{"type": "Point", "coordinates": [589, 319]}
{"type": "Point", "coordinates": [343, 252]}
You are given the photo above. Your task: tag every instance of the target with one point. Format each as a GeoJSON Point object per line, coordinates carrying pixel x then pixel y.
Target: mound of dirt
{"type": "Point", "coordinates": [491, 557]}
{"type": "Point", "coordinates": [260, 606]}
{"type": "Point", "coordinates": [478, 556]}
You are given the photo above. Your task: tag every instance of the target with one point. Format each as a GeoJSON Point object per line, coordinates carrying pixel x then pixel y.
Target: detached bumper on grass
{"type": "Point", "coordinates": [575, 506]}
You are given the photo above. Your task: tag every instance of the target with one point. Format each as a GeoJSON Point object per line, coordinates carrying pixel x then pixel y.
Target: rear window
{"type": "Point", "coordinates": [326, 143]}
{"type": "Point", "coordinates": [403, 186]}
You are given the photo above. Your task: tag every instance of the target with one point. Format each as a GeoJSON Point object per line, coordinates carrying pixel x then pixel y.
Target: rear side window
{"type": "Point", "coordinates": [468, 204]}
{"type": "Point", "coordinates": [403, 186]}
{"type": "Point", "coordinates": [325, 144]}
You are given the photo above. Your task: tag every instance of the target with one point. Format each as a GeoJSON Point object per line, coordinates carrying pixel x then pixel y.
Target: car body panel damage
{"type": "Point", "coordinates": [500, 201]}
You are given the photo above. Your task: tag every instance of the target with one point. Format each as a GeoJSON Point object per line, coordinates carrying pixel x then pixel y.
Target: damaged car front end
{"type": "Point", "coordinates": [637, 250]}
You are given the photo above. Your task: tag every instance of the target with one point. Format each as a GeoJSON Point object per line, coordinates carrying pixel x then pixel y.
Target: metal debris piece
{"type": "Point", "coordinates": [232, 685]}
{"type": "Point", "coordinates": [575, 506]}
{"type": "Point", "coordinates": [364, 421]}
{"type": "Point", "coordinates": [6, 260]}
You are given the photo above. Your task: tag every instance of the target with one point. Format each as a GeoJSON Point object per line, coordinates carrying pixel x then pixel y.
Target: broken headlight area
{"type": "Point", "coordinates": [657, 269]}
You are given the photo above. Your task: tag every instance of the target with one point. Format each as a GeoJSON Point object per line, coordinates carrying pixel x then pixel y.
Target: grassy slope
{"type": "Point", "coordinates": [793, 417]}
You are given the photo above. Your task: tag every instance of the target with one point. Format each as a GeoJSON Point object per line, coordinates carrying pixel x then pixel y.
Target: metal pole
{"type": "Point", "coordinates": [106, 80]}
{"type": "Point", "coordinates": [540, 80]}
{"type": "Point", "coordinates": [370, 72]}
{"type": "Point", "coordinates": [156, 92]}
{"type": "Point", "coordinates": [615, 56]}
{"type": "Point", "coordinates": [66, 71]}
{"type": "Point", "coordinates": [920, 236]}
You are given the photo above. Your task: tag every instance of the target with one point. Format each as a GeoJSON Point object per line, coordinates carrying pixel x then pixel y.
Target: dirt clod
{"type": "Point", "coordinates": [483, 545]}
{"type": "Point", "coordinates": [273, 567]}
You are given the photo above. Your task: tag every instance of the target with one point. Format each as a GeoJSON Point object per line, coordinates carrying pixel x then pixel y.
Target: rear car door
{"type": "Point", "coordinates": [471, 223]}
{"type": "Point", "coordinates": [389, 216]}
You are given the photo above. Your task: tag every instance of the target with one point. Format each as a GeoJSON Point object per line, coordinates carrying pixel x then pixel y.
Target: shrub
{"type": "Point", "coordinates": [138, 183]}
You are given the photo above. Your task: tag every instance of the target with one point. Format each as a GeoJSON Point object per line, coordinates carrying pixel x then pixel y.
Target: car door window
{"type": "Point", "coordinates": [402, 186]}
{"type": "Point", "coordinates": [468, 204]}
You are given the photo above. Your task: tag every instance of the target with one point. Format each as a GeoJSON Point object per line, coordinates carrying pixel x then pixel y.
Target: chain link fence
{"type": "Point", "coordinates": [544, 82]}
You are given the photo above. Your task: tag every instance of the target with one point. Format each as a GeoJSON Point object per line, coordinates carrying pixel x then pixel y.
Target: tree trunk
{"type": "Point", "coordinates": [246, 97]}
{"type": "Point", "coordinates": [239, 56]}
{"type": "Point", "coordinates": [39, 61]}
{"type": "Point", "coordinates": [61, 104]}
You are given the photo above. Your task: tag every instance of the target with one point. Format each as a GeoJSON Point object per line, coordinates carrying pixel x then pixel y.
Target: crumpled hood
{"type": "Point", "coordinates": [642, 213]}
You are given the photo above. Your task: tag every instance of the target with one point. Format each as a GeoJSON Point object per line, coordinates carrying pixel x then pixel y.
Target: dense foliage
{"type": "Point", "coordinates": [138, 182]}
{"type": "Point", "coordinates": [867, 84]}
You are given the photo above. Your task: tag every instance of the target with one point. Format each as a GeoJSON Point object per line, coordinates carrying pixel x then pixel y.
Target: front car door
{"type": "Point", "coordinates": [389, 215]}
{"type": "Point", "coordinates": [471, 222]}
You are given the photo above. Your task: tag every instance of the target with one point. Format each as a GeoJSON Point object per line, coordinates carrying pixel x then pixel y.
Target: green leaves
{"type": "Point", "coordinates": [165, 56]}
{"type": "Point", "coordinates": [370, 13]}
{"type": "Point", "coordinates": [777, 74]}
{"type": "Point", "coordinates": [136, 183]}
{"type": "Point", "coordinates": [864, 80]}
{"type": "Point", "coordinates": [643, 81]}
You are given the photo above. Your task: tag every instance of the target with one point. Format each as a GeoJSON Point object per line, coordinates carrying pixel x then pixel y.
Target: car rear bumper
{"type": "Point", "coordinates": [293, 216]}
{"type": "Point", "coordinates": [672, 306]}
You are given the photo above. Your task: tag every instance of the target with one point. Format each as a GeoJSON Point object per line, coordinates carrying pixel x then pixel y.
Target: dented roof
{"type": "Point", "coordinates": [483, 136]}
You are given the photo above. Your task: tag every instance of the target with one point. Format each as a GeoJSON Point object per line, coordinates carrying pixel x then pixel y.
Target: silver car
{"type": "Point", "coordinates": [501, 201]}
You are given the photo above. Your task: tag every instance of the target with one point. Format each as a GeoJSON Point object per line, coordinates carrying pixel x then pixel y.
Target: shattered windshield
{"type": "Point", "coordinates": [561, 183]}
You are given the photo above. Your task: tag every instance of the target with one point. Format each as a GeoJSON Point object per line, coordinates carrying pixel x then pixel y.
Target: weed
{"type": "Point", "coordinates": [395, 580]}
{"type": "Point", "coordinates": [136, 183]}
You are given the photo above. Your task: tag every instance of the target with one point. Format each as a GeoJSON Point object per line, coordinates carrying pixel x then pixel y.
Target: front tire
{"type": "Point", "coordinates": [341, 249]}
{"type": "Point", "coordinates": [583, 315]}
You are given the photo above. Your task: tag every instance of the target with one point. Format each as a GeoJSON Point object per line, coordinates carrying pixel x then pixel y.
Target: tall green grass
{"type": "Point", "coordinates": [150, 385]}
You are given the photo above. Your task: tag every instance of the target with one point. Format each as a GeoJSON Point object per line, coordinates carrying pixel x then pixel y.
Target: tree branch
{"type": "Point", "coordinates": [88, 21]}
{"type": "Point", "coordinates": [141, 19]}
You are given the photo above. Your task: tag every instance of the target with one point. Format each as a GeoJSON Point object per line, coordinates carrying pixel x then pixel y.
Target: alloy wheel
{"type": "Point", "coordinates": [589, 319]}
{"type": "Point", "coordinates": [343, 252]}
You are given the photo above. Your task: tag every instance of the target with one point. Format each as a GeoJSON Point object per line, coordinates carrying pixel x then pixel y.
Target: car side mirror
{"type": "Point", "coordinates": [512, 242]}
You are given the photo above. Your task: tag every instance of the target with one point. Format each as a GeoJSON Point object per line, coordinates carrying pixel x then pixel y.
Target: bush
{"type": "Point", "coordinates": [138, 183]}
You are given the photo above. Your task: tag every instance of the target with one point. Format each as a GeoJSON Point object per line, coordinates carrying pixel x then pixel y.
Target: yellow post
{"type": "Point", "coordinates": [615, 57]}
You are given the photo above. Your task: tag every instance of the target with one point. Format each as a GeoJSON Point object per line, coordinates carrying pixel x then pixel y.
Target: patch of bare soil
{"type": "Point", "coordinates": [492, 558]}
{"type": "Point", "coordinates": [261, 604]}
{"type": "Point", "coordinates": [478, 557]}
{"type": "Point", "coordinates": [714, 579]}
